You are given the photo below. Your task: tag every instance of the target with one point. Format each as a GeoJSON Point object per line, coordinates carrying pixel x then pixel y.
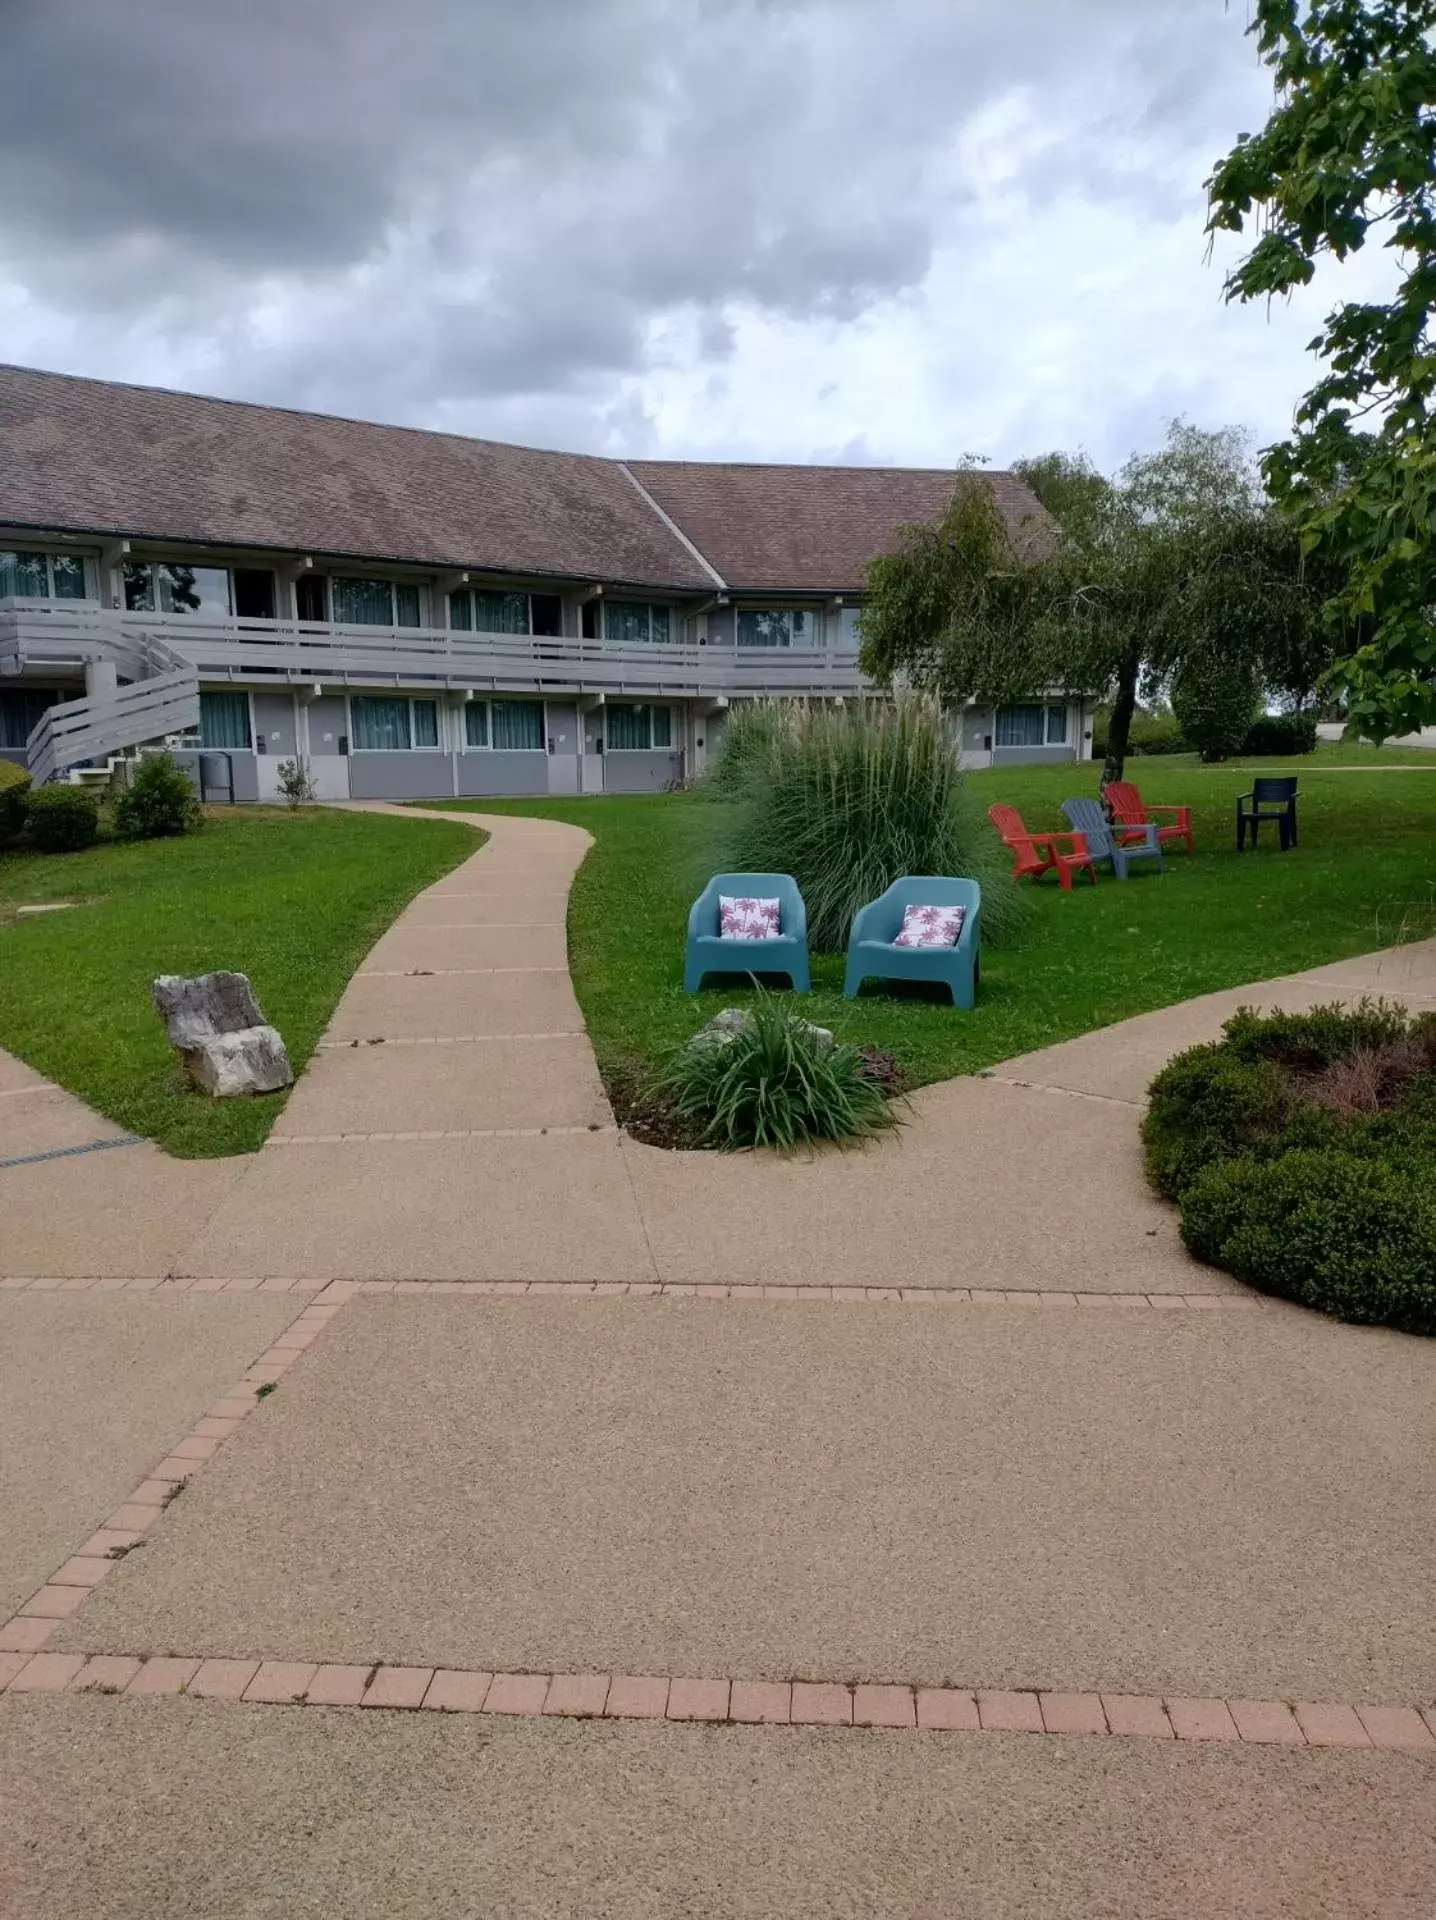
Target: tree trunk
{"type": "Point", "coordinates": [1119, 727]}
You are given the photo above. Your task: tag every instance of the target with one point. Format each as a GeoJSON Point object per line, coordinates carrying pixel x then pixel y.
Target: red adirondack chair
{"type": "Point", "coordinates": [1039, 853]}
{"type": "Point", "coordinates": [1126, 808]}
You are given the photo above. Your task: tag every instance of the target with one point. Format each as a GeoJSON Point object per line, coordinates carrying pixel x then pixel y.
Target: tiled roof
{"type": "Point", "coordinates": [809, 527]}
{"type": "Point", "coordinates": [94, 456]}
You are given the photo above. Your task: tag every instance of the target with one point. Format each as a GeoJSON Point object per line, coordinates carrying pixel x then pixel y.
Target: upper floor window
{"type": "Point", "coordinates": [41, 576]}
{"type": "Point", "coordinates": [635, 622]}
{"type": "Point", "coordinates": [777, 627]}
{"type": "Point", "coordinates": [167, 587]}
{"type": "Point", "coordinates": [639, 729]}
{"type": "Point", "coordinates": [373, 603]}
{"type": "Point", "coordinates": [478, 610]}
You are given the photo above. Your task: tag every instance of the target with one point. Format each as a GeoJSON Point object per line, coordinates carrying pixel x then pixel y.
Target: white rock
{"type": "Point", "coordinates": [216, 1024]}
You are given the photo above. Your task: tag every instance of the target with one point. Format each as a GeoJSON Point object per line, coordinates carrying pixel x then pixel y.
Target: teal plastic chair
{"type": "Point", "coordinates": [872, 955]}
{"type": "Point", "coordinates": [708, 952]}
{"type": "Point", "coordinates": [1118, 848]}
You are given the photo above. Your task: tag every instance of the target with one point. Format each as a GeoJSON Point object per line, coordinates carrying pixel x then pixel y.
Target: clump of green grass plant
{"type": "Point", "coordinates": [849, 799]}
{"type": "Point", "coordinates": [773, 1082]}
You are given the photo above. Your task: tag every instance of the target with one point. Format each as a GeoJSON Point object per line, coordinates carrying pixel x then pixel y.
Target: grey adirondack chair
{"type": "Point", "coordinates": [1087, 817]}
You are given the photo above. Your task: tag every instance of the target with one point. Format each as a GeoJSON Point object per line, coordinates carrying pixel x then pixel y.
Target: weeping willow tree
{"type": "Point", "coordinates": [1111, 586]}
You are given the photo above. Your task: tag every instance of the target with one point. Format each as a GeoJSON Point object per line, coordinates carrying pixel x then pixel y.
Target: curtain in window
{"type": "Point", "coordinates": [627, 621]}
{"type": "Point", "coordinates": [1020, 726]}
{"type": "Point", "coordinates": [805, 627]}
{"type": "Point", "coordinates": [766, 627]}
{"type": "Point", "coordinates": [20, 715]}
{"type": "Point", "coordinates": [362, 603]}
{"type": "Point", "coordinates": [461, 612]}
{"type": "Point", "coordinates": [406, 606]}
{"type": "Point", "coordinates": [501, 612]}
{"type": "Point", "coordinates": [67, 572]}
{"type": "Point", "coordinates": [224, 720]}
{"type": "Point", "coordinates": [380, 725]}
{"type": "Point", "coordinates": [662, 727]}
{"type": "Point", "coordinates": [426, 723]}
{"type": "Point", "coordinates": [1057, 726]}
{"type": "Point", "coordinates": [22, 575]}
{"type": "Point", "coordinates": [628, 729]}
{"type": "Point", "coordinates": [518, 723]}
{"type": "Point", "coordinates": [476, 724]}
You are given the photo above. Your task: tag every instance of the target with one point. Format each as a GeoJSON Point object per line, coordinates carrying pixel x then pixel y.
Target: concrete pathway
{"type": "Point", "coordinates": [1018, 1565]}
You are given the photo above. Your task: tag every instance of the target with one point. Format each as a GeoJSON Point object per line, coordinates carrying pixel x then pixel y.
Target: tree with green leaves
{"type": "Point", "coordinates": [1349, 155]}
{"type": "Point", "coordinates": [1120, 582]}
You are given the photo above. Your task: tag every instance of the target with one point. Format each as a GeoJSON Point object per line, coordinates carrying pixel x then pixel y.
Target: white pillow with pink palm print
{"type": "Point", "coordinates": [744, 919]}
{"type": "Point", "coordinates": [931, 926]}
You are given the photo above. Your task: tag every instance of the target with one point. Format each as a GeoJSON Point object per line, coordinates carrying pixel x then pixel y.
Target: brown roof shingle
{"type": "Point", "coordinates": [95, 456]}
{"type": "Point", "coordinates": [99, 457]}
{"type": "Point", "coordinates": [810, 527]}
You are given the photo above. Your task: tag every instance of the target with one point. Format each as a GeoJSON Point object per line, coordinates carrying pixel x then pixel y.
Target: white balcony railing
{"type": "Point", "coordinates": [60, 632]}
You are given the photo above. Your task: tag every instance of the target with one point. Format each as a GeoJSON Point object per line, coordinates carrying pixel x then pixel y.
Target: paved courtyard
{"type": "Point", "coordinates": [445, 1510]}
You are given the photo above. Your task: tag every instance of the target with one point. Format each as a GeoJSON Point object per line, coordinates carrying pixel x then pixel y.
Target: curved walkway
{"type": "Point", "coordinates": [1058, 1607]}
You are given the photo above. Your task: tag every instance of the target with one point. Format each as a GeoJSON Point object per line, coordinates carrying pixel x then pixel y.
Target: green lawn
{"type": "Point", "coordinates": [294, 900]}
{"type": "Point", "coordinates": [1363, 877]}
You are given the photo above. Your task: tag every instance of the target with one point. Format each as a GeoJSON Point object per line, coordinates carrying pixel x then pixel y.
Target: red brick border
{"type": "Point", "coordinates": [798, 1703]}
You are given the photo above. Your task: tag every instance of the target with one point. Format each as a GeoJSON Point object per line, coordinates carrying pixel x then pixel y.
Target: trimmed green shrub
{"type": "Point", "coordinates": [1150, 733]}
{"type": "Point", "coordinates": [1347, 1234]}
{"type": "Point", "coordinates": [1214, 701]}
{"type": "Point", "coordinates": [62, 819]}
{"type": "Point", "coordinates": [159, 801]}
{"type": "Point", "coordinates": [1275, 734]}
{"type": "Point", "coordinates": [849, 799]}
{"type": "Point", "coordinates": [1317, 1037]}
{"type": "Point", "coordinates": [774, 1083]}
{"type": "Point", "coordinates": [14, 785]}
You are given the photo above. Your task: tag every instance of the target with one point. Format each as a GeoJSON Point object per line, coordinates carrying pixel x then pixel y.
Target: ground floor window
{"type": "Point", "coordinates": [639, 729]}
{"type": "Point", "coordinates": [777, 627]}
{"type": "Point", "coordinates": [508, 725]}
{"type": "Point", "coordinates": [21, 711]}
{"type": "Point", "coordinates": [392, 726]}
{"type": "Point", "coordinates": [1031, 726]}
{"type": "Point", "coordinates": [224, 721]}
{"type": "Point", "coordinates": [41, 576]}
{"type": "Point", "coordinates": [373, 603]}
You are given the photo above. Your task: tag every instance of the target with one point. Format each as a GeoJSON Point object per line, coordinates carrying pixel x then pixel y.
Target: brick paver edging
{"type": "Point", "coordinates": [27, 1630]}
{"type": "Point", "coordinates": [673, 1290]}
{"type": "Point", "coordinates": [796, 1703]}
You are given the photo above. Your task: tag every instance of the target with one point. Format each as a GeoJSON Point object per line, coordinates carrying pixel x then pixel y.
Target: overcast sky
{"type": "Point", "coordinates": [846, 230]}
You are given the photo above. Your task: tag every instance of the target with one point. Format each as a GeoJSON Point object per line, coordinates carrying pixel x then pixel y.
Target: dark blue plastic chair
{"type": "Point", "coordinates": [708, 952]}
{"type": "Point", "coordinates": [1268, 800]}
{"type": "Point", "coordinates": [1103, 844]}
{"type": "Point", "coordinates": [872, 955]}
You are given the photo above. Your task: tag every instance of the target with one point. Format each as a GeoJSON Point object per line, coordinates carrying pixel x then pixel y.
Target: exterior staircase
{"type": "Point", "coordinates": [159, 696]}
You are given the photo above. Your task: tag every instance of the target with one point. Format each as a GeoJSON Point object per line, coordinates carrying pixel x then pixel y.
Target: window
{"type": "Point", "coordinates": [777, 627]}
{"type": "Point", "coordinates": [517, 724]}
{"type": "Point", "coordinates": [253, 594]}
{"type": "Point", "coordinates": [639, 729]}
{"type": "Point", "coordinates": [473, 611]}
{"type": "Point", "coordinates": [168, 587]}
{"type": "Point", "coordinates": [1020, 726]}
{"type": "Point", "coordinates": [1057, 726]}
{"type": "Point", "coordinates": [393, 726]}
{"type": "Point", "coordinates": [41, 576]}
{"type": "Point", "coordinates": [476, 723]}
{"type": "Point", "coordinates": [311, 598]}
{"type": "Point", "coordinates": [224, 721]}
{"type": "Point", "coordinates": [20, 714]}
{"type": "Point", "coordinates": [635, 622]}
{"type": "Point", "coordinates": [373, 603]}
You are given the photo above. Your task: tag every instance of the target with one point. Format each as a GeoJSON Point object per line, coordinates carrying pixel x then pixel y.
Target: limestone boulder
{"type": "Point", "coordinates": [216, 1024]}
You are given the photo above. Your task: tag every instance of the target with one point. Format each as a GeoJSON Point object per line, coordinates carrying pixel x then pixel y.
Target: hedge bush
{"type": "Point", "coordinates": [1341, 1232]}
{"type": "Point", "coordinates": [159, 801]}
{"type": "Point", "coordinates": [1302, 1151]}
{"type": "Point", "coordinates": [1214, 702]}
{"type": "Point", "coordinates": [14, 785]}
{"type": "Point", "coordinates": [62, 819]}
{"type": "Point", "coordinates": [1275, 734]}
